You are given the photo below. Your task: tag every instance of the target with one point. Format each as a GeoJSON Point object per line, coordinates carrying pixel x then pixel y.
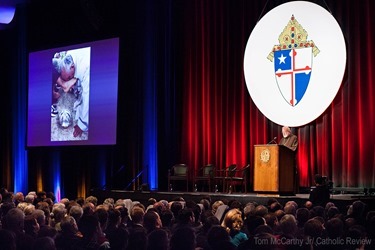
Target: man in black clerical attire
{"type": "Point", "coordinates": [319, 196]}
{"type": "Point", "coordinates": [290, 141]}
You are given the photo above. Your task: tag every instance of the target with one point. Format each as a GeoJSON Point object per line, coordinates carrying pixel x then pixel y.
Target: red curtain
{"type": "Point", "coordinates": [221, 123]}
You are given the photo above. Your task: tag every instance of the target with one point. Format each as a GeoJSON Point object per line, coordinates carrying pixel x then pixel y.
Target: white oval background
{"type": "Point", "coordinates": [328, 66]}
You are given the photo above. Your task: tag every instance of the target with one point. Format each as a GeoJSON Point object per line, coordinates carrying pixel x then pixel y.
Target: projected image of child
{"type": "Point", "coordinates": [70, 95]}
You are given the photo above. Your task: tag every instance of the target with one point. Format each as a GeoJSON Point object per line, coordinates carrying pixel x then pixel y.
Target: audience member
{"type": "Point", "coordinates": [233, 225]}
{"type": "Point", "coordinates": [151, 221]}
{"type": "Point", "coordinates": [218, 239]}
{"type": "Point", "coordinates": [76, 212]}
{"type": "Point", "coordinates": [31, 226]}
{"type": "Point", "coordinates": [117, 234]}
{"type": "Point", "coordinates": [92, 235]}
{"type": "Point", "coordinates": [18, 198]}
{"type": "Point", "coordinates": [260, 210]}
{"type": "Point", "coordinates": [15, 222]}
{"type": "Point", "coordinates": [183, 238]}
{"type": "Point", "coordinates": [201, 235]}
{"type": "Point", "coordinates": [40, 196]}
{"type": "Point", "coordinates": [158, 240]}
{"type": "Point", "coordinates": [58, 212]}
{"type": "Point", "coordinates": [288, 226]}
{"type": "Point", "coordinates": [137, 233]}
{"type": "Point", "coordinates": [272, 222]}
{"type": "Point", "coordinates": [69, 237]}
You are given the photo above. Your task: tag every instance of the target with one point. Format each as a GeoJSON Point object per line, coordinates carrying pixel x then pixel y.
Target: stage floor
{"type": "Point", "coordinates": [342, 201]}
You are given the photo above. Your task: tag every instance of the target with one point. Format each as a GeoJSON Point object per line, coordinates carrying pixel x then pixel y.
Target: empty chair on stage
{"type": "Point", "coordinates": [205, 176]}
{"type": "Point", "coordinates": [179, 172]}
{"type": "Point", "coordinates": [235, 176]}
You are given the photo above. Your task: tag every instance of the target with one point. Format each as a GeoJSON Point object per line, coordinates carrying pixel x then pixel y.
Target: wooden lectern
{"type": "Point", "coordinates": [274, 169]}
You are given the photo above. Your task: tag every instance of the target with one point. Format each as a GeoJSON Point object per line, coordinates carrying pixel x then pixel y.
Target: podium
{"type": "Point", "coordinates": [274, 169]}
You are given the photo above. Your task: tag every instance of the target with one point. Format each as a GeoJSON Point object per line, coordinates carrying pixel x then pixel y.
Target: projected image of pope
{"type": "Point", "coordinates": [73, 67]}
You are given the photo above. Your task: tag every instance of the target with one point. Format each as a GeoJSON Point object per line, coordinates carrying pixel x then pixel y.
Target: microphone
{"type": "Point", "coordinates": [273, 140]}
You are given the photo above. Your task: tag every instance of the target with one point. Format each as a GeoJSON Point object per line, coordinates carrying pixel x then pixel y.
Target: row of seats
{"type": "Point", "coordinates": [209, 176]}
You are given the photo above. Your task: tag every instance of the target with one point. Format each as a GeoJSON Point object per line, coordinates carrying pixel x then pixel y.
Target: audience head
{"type": "Point", "coordinates": [317, 211]}
{"type": "Point", "coordinates": [206, 204]}
{"type": "Point", "coordinates": [22, 205]}
{"type": "Point", "coordinates": [80, 201]}
{"type": "Point", "coordinates": [19, 197]}
{"type": "Point", "coordinates": [218, 238]}
{"type": "Point", "coordinates": [215, 205]}
{"type": "Point", "coordinates": [137, 214]}
{"type": "Point", "coordinates": [176, 207]}
{"type": "Point", "coordinates": [183, 238]}
{"type": "Point", "coordinates": [29, 198]}
{"type": "Point", "coordinates": [252, 222]}
{"type": "Point", "coordinates": [76, 212]}
{"type": "Point", "coordinates": [158, 240]}
{"type": "Point", "coordinates": [44, 206]}
{"type": "Point", "coordinates": [186, 216]}
{"type": "Point", "coordinates": [249, 209]}
{"type": "Point", "coordinates": [332, 212]}
{"type": "Point", "coordinates": [308, 205]}
{"type": "Point", "coordinates": [14, 220]}
{"type": "Point", "coordinates": [313, 228]}
{"type": "Point", "coordinates": [6, 206]}
{"type": "Point", "coordinates": [102, 214]}
{"type": "Point", "coordinates": [69, 225]}
{"type": "Point", "coordinates": [233, 220]}
{"type": "Point", "coordinates": [88, 208]}
{"type": "Point", "coordinates": [124, 213]}
{"type": "Point", "coordinates": [40, 217]}
{"type": "Point", "coordinates": [288, 225]}
{"type": "Point", "coordinates": [114, 217]}
{"type": "Point", "coordinates": [110, 202]}
{"type": "Point", "coordinates": [31, 225]}
{"type": "Point", "coordinates": [302, 216]}
{"type": "Point", "coordinates": [51, 196]}
{"type": "Point", "coordinates": [89, 226]}
{"type": "Point", "coordinates": [58, 212]}
{"type": "Point", "coordinates": [275, 206]}
{"type": "Point", "coordinates": [210, 222]}
{"type": "Point", "coordinates": [261, 210]}
{"type": "Point", "coordinates": [279, 214]}
{"type": "Point", "coordinates": [151, 221]}
{"type": "Point", "coordinates": [166, 218]}
{"type": "Point", "coordinates": [334, 228]}
{"type": "Point", "coordinates": [290, 209]}
{"type": "Point", "coordinates": [92, 199]}
{"type": "Point", "coordinates": [234, 204]}
{"type": "Point", "coordinates": [41, 195]}
{"type": "Point", "coordinates": [29, 209]}
{"type": "Point", "coordinates": [271, 220]}
{"type": "Point", "coordinates": [358, 209]}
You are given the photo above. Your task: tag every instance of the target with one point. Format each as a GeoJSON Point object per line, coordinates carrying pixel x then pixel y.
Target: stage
{"type": "Point", "coordinates": [342, 199]}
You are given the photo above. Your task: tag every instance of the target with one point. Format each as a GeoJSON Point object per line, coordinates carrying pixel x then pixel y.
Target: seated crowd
{"type": "Point", "coordinates": [37, 221]}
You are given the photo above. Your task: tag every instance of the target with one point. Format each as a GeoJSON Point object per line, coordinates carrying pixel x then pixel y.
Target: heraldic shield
{"type": "Point", "coordinates": [293, 70]}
